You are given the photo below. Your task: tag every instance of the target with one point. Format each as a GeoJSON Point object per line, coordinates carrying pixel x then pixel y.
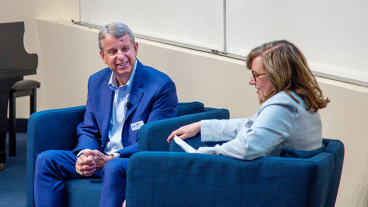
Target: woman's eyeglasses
{"type": "Point", "coordinates": [256, 75]}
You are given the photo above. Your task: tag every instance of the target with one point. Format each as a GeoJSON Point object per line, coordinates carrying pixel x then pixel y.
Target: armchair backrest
{"type": "Point", "coordinates": [336, 148]}
{"type": "Point", "coordinates": [185, 108]}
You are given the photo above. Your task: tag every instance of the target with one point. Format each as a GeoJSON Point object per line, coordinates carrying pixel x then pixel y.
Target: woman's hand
{"type": "Point", "coordinates": [185, 132]}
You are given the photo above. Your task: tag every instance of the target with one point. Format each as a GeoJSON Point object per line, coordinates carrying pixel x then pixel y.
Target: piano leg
{"type": "Point", "coordinates": [5, 86]}
{"type": "Point", "coordinates": [3, 125]}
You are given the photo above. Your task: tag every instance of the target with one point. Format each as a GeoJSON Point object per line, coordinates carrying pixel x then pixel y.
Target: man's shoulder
{"type": "Point", "coordinates": [102, 72]}
{"type": "Point", "coordinates": [101, 75]}
{"type": "Point", "coordinates": [151, 73]}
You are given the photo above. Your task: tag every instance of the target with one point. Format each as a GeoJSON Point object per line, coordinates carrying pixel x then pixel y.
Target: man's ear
{"type": "Point", "coordinates": [103, 56]}
{"type": "Point", "coordinates": [136, 48]}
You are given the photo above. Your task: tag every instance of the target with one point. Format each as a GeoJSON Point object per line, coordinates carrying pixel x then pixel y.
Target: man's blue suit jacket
{"type": "Point", "coordinates": [152, 97]}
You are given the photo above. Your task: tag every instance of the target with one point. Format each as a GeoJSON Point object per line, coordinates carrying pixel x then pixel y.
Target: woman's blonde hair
{"type": "Point", "coordinates": [288, 70]}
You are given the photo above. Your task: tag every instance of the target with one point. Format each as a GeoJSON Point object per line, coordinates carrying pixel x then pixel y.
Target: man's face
{"type": "Point", "coordinates": [119, 54]}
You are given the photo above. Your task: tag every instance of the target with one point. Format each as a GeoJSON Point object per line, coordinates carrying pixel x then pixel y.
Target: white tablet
{"type": "Point", "coordinates": [186, 147]}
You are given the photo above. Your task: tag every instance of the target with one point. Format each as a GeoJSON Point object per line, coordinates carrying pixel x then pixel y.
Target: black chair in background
{"type": "Point", "coordinates": [20, 89]}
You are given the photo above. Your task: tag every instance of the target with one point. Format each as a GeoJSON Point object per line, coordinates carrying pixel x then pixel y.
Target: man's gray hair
{"type": "Point", "coordinates": [117, 30]}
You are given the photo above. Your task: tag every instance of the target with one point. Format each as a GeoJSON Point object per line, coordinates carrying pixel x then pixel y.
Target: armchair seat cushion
{"type": "Point", "coordinates": [82, 192]}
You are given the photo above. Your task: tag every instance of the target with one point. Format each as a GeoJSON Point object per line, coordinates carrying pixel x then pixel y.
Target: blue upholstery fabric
{"type": "Point", "coordinates": [184, 179]}
{"type": "Point", "coordinates": [152, 136]}
{"type": "Point", "coordinates": [289, 152]}
{"type": "Point", "coordinates": [51, 129]}
{"type": "Point", "coordinates": [88, 189]}
{"type": "Point", "coordinates": [179, 179]}
{"type": "Point", "coordinates": [56, 129]}
{"type": "Point", "coordinates": [336, 148]}
{"type": "Point", "coordinates": [190, 108]}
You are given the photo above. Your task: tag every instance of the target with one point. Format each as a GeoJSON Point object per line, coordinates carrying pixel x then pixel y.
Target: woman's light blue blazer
{"type": "Point", "coordinates": [280, 122]}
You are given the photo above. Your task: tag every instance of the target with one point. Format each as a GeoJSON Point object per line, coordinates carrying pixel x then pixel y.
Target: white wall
{"type": "Point", "coordinates": [68, 54]}
{"type": "Point", "coordinates": [28, 11]}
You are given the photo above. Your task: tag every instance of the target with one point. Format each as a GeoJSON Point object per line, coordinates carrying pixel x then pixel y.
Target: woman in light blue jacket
{"type": "Point", "coordinates": [287, 118]}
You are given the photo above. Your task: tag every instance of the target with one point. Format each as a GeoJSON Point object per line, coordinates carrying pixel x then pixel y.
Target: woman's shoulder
{"type": "Point", "coordinates": [282, 98]}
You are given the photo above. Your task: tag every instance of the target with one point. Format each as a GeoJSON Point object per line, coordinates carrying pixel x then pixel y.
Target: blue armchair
{"type": "Point", "coordinates": [56, 129]}
{"type": "Point", "coordinates": [166, 179]}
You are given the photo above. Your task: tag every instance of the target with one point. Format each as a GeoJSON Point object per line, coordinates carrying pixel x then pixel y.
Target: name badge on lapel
{"type": "Point", "coordinates": [249, 123]}
{"type": "Point", "coordinates": [136, 125]}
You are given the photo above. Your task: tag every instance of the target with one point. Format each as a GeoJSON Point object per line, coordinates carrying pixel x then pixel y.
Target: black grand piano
{"type": "Point", "coordinates": [15, 63]}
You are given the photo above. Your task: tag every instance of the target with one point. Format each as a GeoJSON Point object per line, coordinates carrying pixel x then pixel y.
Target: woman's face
{"type": "Point", "coordinates": [261, 83]}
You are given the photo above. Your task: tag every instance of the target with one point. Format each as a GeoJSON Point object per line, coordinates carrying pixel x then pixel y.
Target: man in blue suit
{"type": "Point", "coordinates": [121, 98]}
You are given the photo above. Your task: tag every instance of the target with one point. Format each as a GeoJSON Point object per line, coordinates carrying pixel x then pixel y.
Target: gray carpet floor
{"type": "Point", "coordinates": [13, 177]}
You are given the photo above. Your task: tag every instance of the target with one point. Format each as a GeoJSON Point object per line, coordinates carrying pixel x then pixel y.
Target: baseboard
{"type": "Point", "coordinates": [21, 126]}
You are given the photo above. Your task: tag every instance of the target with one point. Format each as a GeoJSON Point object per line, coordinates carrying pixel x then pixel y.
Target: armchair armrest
{"type": "Point", "coordinates": [50, 129]}
{"type": "Point", "coordinates": [152, 136]}
{"type": "Point", "coordinates": [185, 179]}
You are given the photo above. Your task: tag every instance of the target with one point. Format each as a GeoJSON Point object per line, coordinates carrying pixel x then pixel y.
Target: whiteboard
{"type": "Point", "coordinates": [333, 34]}
{"type": "Point", "coordinates": [193, 22]}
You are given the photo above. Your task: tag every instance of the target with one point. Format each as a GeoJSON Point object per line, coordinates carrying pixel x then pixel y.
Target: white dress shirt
{"type": "Point", "coordinates": [117, 118]}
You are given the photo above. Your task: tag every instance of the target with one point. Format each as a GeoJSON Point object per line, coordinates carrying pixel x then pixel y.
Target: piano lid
{"type": "Point", "coordinates": [14, 60]}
